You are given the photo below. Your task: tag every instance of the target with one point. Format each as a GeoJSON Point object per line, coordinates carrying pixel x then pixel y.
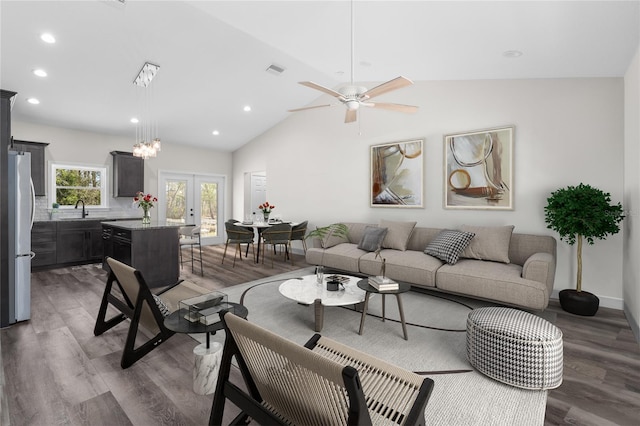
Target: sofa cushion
{"type": "Point", "coordinates": [372, 238]}
{"type": "Point", "coordinates": [493, 281]}
{"type": "Point", "coordinates": [448, 245]}
{"type": "Point", "coordinates": [343, 257]}
{"type": "Point", "coordinates": [490, 243]}
{"type": "Point", "coordinates": [398, 234]}
{"type": "Point", "coordinates": [420, 237]}
{"type": "Point", "coordinates": [409, 266]}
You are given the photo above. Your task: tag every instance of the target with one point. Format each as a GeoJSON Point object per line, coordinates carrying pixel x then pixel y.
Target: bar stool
{"type": "Point", "coordinates": [190, 237]}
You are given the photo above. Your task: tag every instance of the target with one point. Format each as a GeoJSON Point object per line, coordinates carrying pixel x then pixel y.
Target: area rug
{"type": "Point", "coordinates": [435, 348]}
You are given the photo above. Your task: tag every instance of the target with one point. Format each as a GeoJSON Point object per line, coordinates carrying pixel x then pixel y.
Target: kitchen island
{"type": "Point", "coordinates": [152, 249]}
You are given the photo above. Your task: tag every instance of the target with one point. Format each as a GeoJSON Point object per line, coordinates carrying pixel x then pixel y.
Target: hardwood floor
{"type": "Point", "coordinates": [55, 371]}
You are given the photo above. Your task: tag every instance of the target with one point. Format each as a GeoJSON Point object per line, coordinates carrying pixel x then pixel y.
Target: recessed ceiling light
{"type": "Point", "coordinates": [215, 133]}
{"type": "Point", "coordinates": [512, 54]}
{"type": "Point", "coordinates": [48, 38]}
{"type": "Point", "coordinates": [134, 120]}
{"type": "Point", "coordinates": [33, 101]}
{"type": "Point", "coordinates": [247, 108]}
{"type": "Point", "coordinates": [40, 73]}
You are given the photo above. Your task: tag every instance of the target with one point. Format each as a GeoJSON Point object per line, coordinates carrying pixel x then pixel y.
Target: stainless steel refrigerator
{"type": "Point", "coordinates": [21, 213]}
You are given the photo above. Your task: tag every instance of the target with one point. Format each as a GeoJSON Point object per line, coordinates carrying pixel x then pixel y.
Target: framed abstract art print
{"type": "Point", "coordinates": [397, 174]}
{"type": "Point", "coordinates": [478, 169]}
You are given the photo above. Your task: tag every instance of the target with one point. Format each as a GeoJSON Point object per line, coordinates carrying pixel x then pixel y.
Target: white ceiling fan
{"type": "Point", "coordinates": [353, 97]}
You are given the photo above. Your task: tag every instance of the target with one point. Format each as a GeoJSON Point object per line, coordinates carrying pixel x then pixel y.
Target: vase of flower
{"type": "Point", "coordinates": [146, 216]}
{"type": "Point", "coordinates": [266, 210]}
{"type": "Point", "coordinates": [145, 202]}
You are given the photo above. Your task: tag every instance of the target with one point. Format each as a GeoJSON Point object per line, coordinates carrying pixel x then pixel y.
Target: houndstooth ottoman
{"type": "Point", "coordinates": [515, 347]}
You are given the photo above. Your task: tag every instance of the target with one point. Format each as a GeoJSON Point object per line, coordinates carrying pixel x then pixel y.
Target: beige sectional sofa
{"type": "Point", "coordinates": [497, 265]}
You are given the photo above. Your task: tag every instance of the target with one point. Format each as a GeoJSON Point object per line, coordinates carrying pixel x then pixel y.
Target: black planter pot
{"type": "Point", "coordinates": [579, 302]}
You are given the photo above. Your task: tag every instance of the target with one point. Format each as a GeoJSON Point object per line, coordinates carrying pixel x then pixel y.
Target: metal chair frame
{"type": "Point", "coordinates": [190, 236]}
{"type": "Point", "coordinates": [298, 233]}
{"type": "Point", "coordinates": [238, 235]}
{"type": "Point", "coordinates": [275, 235]}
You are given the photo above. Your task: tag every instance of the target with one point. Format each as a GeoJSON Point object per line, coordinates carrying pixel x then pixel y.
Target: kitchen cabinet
{"type": "Point", "coordinates": [78, 241]}
{"type": "Point", "coordinates": [43, 244]}
{"type": "Point", "coordinates": [38, 168]}
{"type": "Point", "coordinates": [151, 249]}
{"type": "Point", "coordinates": [128, 174]}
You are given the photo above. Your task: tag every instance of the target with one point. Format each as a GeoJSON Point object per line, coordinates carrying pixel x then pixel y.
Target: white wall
{"type": "Point", "coordinates": [66, 145]}
{"type": "Point", "coordinates": [567, 131]}
{"type": "Point", "coordinates": [631, 288]}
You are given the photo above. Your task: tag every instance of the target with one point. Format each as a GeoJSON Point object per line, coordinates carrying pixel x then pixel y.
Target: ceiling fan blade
{"type": "Point", "coordinates": [351, 116]}
{"type": "Point", "coordinates": [309, 107]}
{"type": "Point", "coordinates": [392, 107]}
{"type": "Point", "coordinates": [390, 85]}
{"type": "Point", "coordinates": [326, 90]}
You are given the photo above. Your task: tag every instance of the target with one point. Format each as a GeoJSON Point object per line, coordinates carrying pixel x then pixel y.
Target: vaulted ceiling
{"type": "Point", "coordinates": [213, 55]}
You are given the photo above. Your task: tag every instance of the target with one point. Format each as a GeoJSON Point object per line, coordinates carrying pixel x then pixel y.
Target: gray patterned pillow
{"type": "Point", "coordinates": [164, 309]}
{"type": "Point", "coordinates": [448, 245]}
{"type": "Point", "coordinates": [372, 238]}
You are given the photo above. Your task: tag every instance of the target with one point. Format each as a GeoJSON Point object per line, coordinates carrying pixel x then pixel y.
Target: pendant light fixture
{"type": "Point", "coordinates": [147, 142]}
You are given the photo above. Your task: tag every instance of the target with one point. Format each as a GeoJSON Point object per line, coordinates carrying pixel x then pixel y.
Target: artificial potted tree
{"type": "Point", "coordinates": [580, 213]}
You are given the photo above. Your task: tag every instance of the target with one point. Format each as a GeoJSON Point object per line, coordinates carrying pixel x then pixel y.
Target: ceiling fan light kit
{"type": "Point", "coordinates": [353, 97]}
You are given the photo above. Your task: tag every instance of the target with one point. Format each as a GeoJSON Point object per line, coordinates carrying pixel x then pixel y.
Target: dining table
{"type": "Point", "coordinates": [259, 227]}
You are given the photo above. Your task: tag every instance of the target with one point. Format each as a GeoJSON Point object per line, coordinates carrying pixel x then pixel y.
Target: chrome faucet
{"type": "Point", "coordinates": [84, 212]}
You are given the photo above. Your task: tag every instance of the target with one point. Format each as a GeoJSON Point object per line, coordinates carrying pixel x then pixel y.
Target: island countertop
{"type": "Point", "coordinates": [137, 225]}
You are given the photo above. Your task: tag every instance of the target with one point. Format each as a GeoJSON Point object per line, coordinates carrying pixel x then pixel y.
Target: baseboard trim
{"type": "Point", "coordinates": [605, 302]}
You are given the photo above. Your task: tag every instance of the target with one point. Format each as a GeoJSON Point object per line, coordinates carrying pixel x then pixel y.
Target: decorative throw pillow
{"type": "Point", "coordinates": [398, 234]}
{"type": "Point", "coordinates": [331, 239]}
{"type": "Point", "coordinates": [490, 243]}
{"type": "Point", "coordinates": [448, 245]}
{"type": "Point", "coordinates": [372, 238]}
{"type": "Point", "coordinates": [164, 309]}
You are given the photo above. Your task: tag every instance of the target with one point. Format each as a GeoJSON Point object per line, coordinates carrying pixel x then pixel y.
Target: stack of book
{"type": "Point", "coordinates": [383, 283]}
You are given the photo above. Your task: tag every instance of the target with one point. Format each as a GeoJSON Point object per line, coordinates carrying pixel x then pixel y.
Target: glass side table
{"type": "Point", "coordinates": [208, 356]}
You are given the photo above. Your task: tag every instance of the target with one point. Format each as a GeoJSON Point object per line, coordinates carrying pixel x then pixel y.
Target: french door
{"type": "Point", "coordinates": [194, 200]}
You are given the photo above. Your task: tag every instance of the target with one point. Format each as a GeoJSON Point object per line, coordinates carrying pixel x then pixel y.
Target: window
{"type": "Point", "coordinates": [71, 183]}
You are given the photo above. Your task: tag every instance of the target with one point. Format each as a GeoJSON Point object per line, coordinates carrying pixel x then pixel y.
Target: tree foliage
{"type": "Point", "coordinates": [334, 230]}
{"type": "Point", "coordinates": [582, 211]}
{"type": "Point", "coordinates": [73, 185]}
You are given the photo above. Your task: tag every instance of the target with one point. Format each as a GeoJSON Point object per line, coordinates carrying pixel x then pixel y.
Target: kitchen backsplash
{"type": "Point", "coordinates": [117, 210]}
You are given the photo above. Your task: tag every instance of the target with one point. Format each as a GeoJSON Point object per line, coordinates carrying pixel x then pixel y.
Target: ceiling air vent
{"type": "Point", "coordinates": [275, 69]}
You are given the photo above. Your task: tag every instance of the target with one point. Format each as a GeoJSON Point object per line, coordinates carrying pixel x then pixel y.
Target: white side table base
{"type": "Point", "coordinates": [206, 368]}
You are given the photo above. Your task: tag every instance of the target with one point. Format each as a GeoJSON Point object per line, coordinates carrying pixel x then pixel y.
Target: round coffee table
{"type": "Point", "coordinates": [306, 290]}
{"type": "Point", "coordinates": [402, 288]}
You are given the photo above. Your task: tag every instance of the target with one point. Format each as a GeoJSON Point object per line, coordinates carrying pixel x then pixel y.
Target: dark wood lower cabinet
{"type": "Point", "coordinates": [153, 251]}
{"type": "Point", "coordinates": [64, 243]}
{"type": "Point", "coordinates": [43, 244]}
{"type": "Point", "coordinates": [79, 241]}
